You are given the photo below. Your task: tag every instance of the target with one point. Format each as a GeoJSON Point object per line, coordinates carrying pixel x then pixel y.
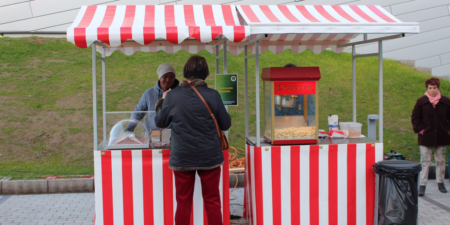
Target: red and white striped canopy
{"type": "Point", "coordinates": [114, 25]}
{"type": "Point", "coordinates": [322, 19]}
{"type": "Point", "coordinates": [295, 27]}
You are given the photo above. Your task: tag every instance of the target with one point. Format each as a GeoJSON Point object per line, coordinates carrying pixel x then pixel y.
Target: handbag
{"type": "Point", "coordinates": [222, 137]}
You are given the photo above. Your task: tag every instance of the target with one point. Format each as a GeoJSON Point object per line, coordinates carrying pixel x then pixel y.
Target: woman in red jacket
{"type": "Point", "coordinates": [431, 121]}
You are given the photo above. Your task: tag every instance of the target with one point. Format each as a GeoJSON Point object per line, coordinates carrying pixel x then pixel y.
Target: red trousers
{"type": "Point", "coordinates": [184, 184]}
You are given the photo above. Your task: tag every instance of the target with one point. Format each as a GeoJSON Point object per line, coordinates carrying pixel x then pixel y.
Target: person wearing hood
{"type": "Point", "coordinates": [167, 81]}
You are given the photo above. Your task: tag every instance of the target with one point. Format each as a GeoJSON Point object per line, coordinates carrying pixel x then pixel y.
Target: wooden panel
{"type": "Point", "coordinates": [44, 7]}
{"type": "Point", "coordinates": [441, 70]}
{"type": "Point", "coordinates": [429, 62]}
{"type": "Point", "coordinates": [10, 2]}
{"type": "Point", "coordinates": [41, 22]}
{"type": "Point", "coordinates": [417, 6]}
{"type": "Point", "coordinates": [425, 14]}
{"type": "Point", "coordinates": [445, 58]}
{"type": "Point", "coordinates": [15, 12]}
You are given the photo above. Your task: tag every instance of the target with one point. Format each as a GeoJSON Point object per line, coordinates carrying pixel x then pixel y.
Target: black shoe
{"type": "Point", "coordinates": [442, 187]}
{"type": "Point", "coordinates": [422, 190]}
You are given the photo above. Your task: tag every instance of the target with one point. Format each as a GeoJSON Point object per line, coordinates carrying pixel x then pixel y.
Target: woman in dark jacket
{"type": "Point", "coordinates": [195, 144]}
{"type": "Point", "coordinates": [431, 121]}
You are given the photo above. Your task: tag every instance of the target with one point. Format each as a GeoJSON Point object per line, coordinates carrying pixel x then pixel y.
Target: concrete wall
{"type": "Point", "coordinates": [430, 48]}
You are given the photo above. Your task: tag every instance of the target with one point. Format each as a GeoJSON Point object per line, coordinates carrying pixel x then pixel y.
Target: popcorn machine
{"type": "Point", "coordinates": [291, 105]}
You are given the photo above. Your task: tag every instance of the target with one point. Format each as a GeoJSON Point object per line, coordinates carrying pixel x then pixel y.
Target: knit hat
{"type": "Point", "coordinates": [165, 68]}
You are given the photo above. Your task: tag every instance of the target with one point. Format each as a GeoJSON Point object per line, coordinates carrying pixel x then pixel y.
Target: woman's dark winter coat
{"type": "Point", "coordinates": [435, 121]}
{"type": "Point", "coordinates": [194, 142]}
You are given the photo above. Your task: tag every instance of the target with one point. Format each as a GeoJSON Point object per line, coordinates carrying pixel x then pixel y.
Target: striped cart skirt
{"type": "Point", "coordinates": [137, 187]}
{"type": "Point", "coordinates": [311, 184]}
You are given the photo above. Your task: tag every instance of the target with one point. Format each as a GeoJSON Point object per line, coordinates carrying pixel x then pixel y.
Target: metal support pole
{"type": "Point", "coordinates": [217, 59]}
{"type": "Point", "coordinates": [225, 71]}
{"type": "Point", "coordinates": [258, 135]}
{"type": "Point", "coordinates": [246, 90]}
{"type": "Point", "coordinates": [354, 81]}
{"type": "Point", "coordinates": [225, 63]}
{"type": "Point", "coordinates": [94, 93]}
{"type": "Point", "coordinates": [380, 90]}
{"type": "Point", "coordinates": [104, 92]}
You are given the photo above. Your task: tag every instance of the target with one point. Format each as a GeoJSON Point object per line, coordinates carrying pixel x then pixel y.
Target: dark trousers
{"type": "Point", "coordinates": [184, 184]}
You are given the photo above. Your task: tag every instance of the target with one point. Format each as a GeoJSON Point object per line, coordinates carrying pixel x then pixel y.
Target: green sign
{"type": "Point", "coordinates": [226, 85]}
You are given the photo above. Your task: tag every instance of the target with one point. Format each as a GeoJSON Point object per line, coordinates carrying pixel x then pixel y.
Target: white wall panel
{"type": "Point", "coordinates": [377, 2]}
{"type": "Point", "coordinates": [445, 58]}
{"type": "Point", "coordinates": [425, 14]}
{"type": "Point", "coordinates": [420, 51]}
{"type": "Point", "coordinates": [434, 24]}
{"type": "Point", "coordinates": [41, 22]}
{"type": "Point", "coordinates": [417, 6]}
{"type": "Point", "coordinates": [168, 1]}
{"type": "Point", "coordinates": [132, 2]}
{"type": "Point", "coordinates": [57, 28]}
{"type": "Point", "coordinates": [429, 62]}
{"type": "Point", "coordinates": [15, 12]}
{"type": "Point", "coordinates": [411, 40]}
{"type": "Point", "coordinates": [443, 70]}
{"type": "Point", "coordinates": [262, 2]}
{"type": "Point", "coordinates": [323, 2]}
{"type": "Point", "coordinates": [44, 7]}
{"type": "Point", "coordinates": [9, 2]}
{"type": "Point", "coordinates": [212, 2]}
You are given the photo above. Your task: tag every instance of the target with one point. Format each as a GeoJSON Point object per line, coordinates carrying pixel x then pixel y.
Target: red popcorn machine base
{"type": "Point", "coordinates": [138, 187]}
{"type": "Point", "coordinates": [311, 184]}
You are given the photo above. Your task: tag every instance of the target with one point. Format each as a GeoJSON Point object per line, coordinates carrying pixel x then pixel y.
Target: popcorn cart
{"type": "Point", "coordinates": [290, 105]}
{"type": "Point", "coordinates": [338, 186]}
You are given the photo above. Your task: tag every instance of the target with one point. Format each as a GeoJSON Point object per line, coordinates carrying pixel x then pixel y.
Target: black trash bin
{"type": "Point", "coordinates": [397, 195]}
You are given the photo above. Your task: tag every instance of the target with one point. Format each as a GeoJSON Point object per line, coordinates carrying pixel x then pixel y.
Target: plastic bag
{"type": "Point", "coordinates": [398, 197]}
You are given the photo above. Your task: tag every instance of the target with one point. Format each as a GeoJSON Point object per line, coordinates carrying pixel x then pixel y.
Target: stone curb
{"type": "Point", "coordinates": [18, 187]}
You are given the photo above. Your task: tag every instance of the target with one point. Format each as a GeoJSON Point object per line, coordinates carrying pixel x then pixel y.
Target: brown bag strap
{"type": "Point", "coordinates": [210, 112]}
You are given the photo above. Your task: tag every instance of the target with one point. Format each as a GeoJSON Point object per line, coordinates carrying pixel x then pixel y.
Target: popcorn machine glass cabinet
{"type": "Point", "coordinates": [290, 112]}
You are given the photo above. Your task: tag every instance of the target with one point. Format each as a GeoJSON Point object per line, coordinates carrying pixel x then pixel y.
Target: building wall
{"type": "Point", "coordinates": [430, 48]}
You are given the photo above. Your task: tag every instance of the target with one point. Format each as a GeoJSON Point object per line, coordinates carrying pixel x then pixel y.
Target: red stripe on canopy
{"type": "Point", "coordinates": [342, 13]}
{"type": "Point", "coordinates": [189, 17]}
{"type": "Point", "coordinates": [362, 14]}
{"type": "Point", "coordinates": [228, 15]}
{"type": "Point", "coordinates": [325, 14]}
{"type": "Point", "coordinates": [302, 9]}
{"type": "Point", "coordinates": [284, 9]}
{"type": "Point", "coordinates": [383, 16]}
{"type": "Point", "coordinates": [209, 15]}
{"type": "Point", "coordinates": [269, 14]}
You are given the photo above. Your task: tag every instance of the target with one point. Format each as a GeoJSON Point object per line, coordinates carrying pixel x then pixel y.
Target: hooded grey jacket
{"type": "Point", "coordinates": [147, 103]}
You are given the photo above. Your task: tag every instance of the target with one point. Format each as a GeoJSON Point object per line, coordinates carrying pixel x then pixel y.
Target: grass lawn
{"type": "Point", "coordinates": [46, 98]}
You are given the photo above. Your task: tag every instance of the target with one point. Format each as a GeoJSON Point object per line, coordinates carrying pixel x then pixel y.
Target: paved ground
{"type": "Point", "coordinates": [434, 208]}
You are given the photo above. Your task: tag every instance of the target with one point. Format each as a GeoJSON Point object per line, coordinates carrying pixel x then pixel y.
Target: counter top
{"type": "Point", "coordinates": [322, 141]}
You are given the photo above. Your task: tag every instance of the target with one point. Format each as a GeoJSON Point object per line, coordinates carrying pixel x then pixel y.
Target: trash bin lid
{"type": "Point", "coordinates": [397, 168]}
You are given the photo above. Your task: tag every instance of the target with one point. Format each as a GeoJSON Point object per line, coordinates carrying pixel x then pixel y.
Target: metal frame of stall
{"type": "Point", "coordinates": [354, 57]}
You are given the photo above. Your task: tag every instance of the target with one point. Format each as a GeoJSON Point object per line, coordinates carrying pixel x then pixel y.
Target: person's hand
{"type": "Point", "coordinates": [130, 134]}
{"type": "Point", "coordinates": [165, 93]}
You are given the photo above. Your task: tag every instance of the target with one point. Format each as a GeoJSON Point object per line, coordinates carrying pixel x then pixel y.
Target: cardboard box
{"type": "Point", "coordinates": [165, 135]}
{"type": "Point", "coordinates": [155, 136]}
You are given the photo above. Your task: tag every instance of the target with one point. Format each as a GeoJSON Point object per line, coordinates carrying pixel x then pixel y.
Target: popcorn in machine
{"type": "Point", "coordinates": [291, 105]}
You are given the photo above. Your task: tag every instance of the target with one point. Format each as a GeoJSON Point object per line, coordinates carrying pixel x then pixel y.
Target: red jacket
{"type": "Point", "coordinates": [435, 121]}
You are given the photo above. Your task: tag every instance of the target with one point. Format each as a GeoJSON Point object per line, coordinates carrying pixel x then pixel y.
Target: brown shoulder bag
{"type": "Point", "coordinates": [222, 137]}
